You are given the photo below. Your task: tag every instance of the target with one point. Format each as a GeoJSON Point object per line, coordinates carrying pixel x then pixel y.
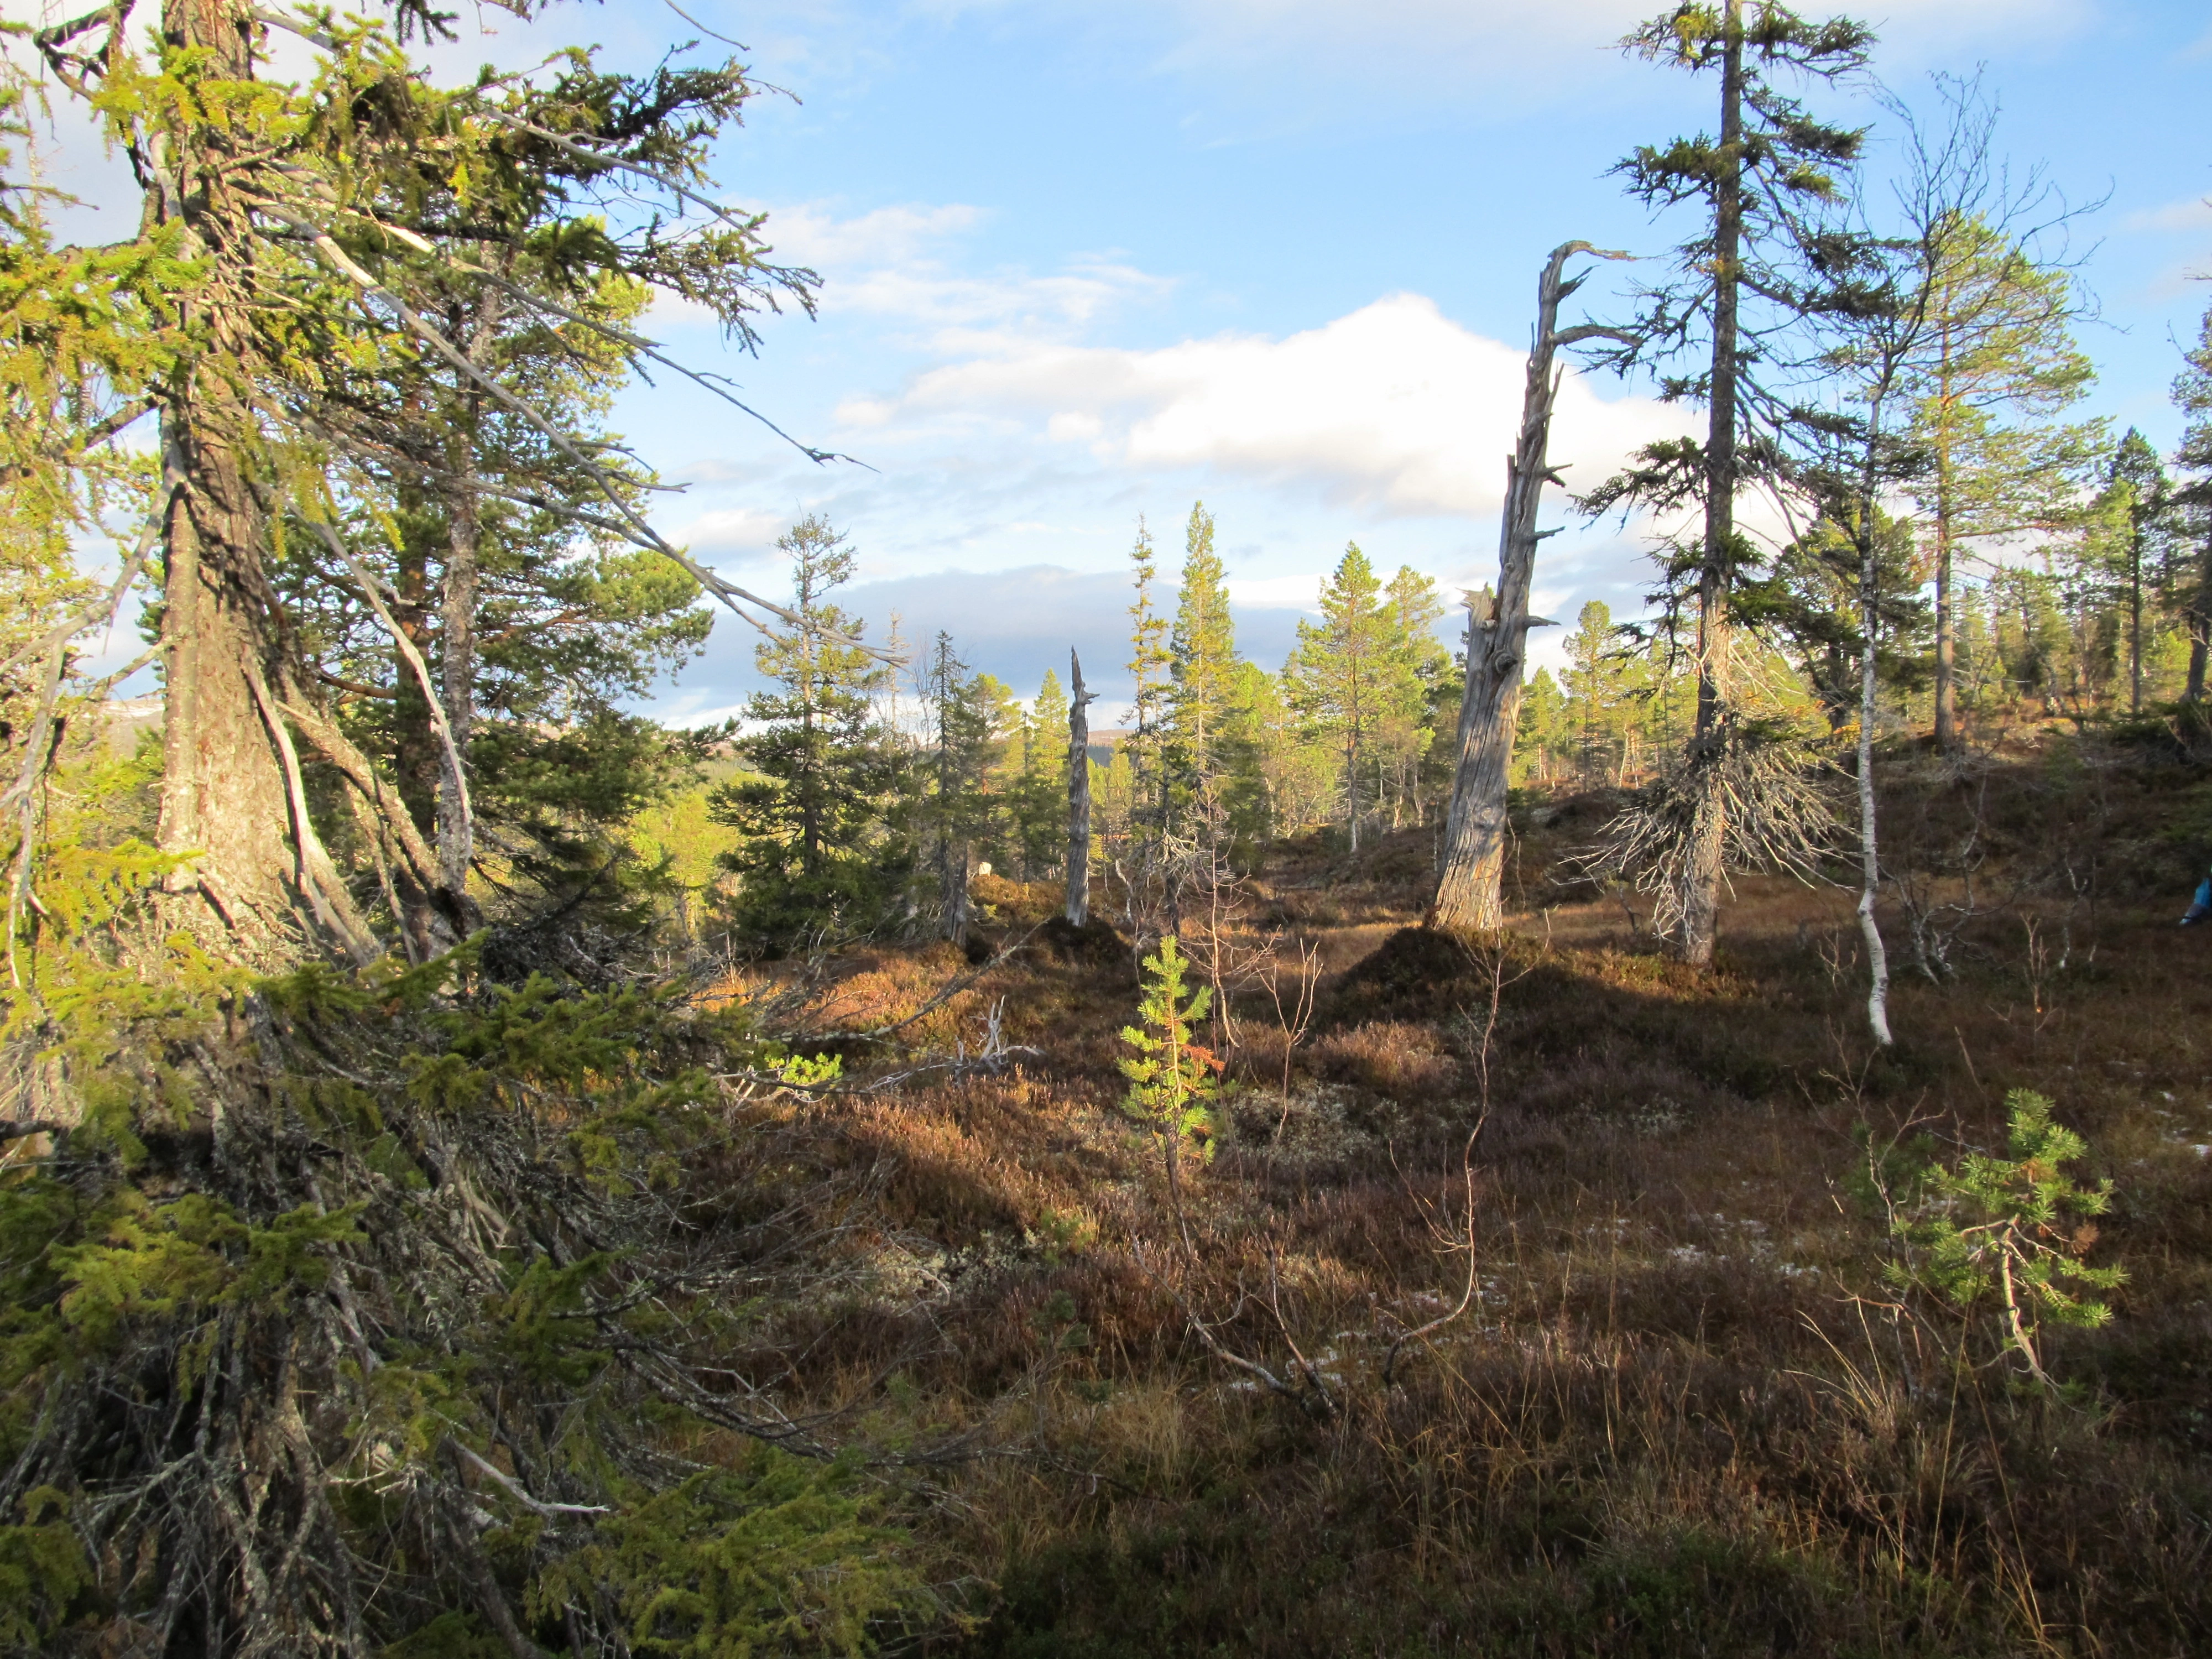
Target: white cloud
{"type": "Point", "coordinates": [2190, 213]}
{"type": "Point", "coordinates": [1394, 408]}
{"type": "Point", "coordinates": [809, 233]}
{"type": "Point", "coordinates": [1275, 593]}
{"type": "Point", "coordinates": [740, 531]}
{"type": "Point", "coordinates": [1523, 52]}
{"type": "Point", "coordinates": [890, 262]}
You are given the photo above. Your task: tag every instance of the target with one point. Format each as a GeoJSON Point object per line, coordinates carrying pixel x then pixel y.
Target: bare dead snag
{"type": "Point", "coordinates": [1078, 796]}
{"type": "Point", "coordinates": [1467, 887]}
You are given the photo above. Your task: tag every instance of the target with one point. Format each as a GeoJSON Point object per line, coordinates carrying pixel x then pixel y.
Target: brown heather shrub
{"type": "Point", "coordinates": [1405, 1062]}
{"type": "Point", "coordinates": [1683, 1414]}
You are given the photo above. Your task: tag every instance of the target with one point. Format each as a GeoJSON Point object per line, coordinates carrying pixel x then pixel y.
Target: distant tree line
{"type": "Point", "coordinates": [868, 795]}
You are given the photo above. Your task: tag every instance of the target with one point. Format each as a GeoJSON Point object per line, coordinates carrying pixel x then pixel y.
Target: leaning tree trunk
{"type": "Point", "coordinates": [1468, 885]}
{"type": "Point", "coordinates": [257, 883]}
{"type": "Point", "coordinates": [1078, 797]}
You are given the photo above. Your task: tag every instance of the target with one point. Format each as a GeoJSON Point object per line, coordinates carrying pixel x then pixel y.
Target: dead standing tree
{"type": "Point", "coordinates": [1467, 886]}
{"type": "Point", "coordinates": [1078, 796]}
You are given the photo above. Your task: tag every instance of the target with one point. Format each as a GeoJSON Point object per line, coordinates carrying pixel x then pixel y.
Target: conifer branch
{"type": "Point", "coordinates": [736, 599]}
{"type": "Point", "coordinates": [434, 702]}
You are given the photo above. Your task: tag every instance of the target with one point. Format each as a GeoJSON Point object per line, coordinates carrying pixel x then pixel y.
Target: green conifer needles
{"type": "Point", "coordinates": [2008, 1232]}
{"type": "Point", "coordinates": [1173, 1082]}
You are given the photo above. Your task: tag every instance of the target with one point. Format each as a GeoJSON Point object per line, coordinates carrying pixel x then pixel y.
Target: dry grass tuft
{"type": "Point", "coordinates": [1391, 1057]}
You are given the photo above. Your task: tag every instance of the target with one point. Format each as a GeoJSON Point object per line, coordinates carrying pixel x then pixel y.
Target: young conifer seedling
{"type": "Point", "coordinates": [2006, 1231]}
{"type": "Point", "coordinates": [1173, 1082]}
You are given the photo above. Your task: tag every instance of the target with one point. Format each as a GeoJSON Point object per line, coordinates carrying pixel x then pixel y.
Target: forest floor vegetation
{"type": "Point", "coordinates": [1682, 1410]}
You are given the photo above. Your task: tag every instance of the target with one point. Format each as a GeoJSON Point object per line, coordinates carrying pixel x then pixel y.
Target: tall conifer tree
{"type": "Point", "coordinates": [318, 213]}
{"type": "Point", "coordinates": [2136, 481]}
{"type": "Point", "coordinates": [815, 813]}
{"type": "Point", "coordinates": [1040, 802]}
{"type": "Point", "coordinates": [1707, 332]}
{"type": "Point", "coordinates": [1202, 654]}
{"type": "Point", "coordinates": [1341, 675]}
{"type": "Point", "coordinates": [1999, 366]}
{"type": "Point", "coordinates": [1149, 667]}
{"type": "Point", "coordinates": [2193, 394]}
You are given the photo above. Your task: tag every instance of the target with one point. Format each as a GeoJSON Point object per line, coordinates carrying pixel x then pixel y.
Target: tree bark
{"type": "Point", "coordinates": [1947, 648]}
{"type": "Point", "coordinates": [1947, 618]}
{"type": "Point", "coordinates": [1869, 851]}
{"type": "Point", "coordinates": [2134, 610]}
{"type": "Point", "coordinates": [418, 757]}
{"type": "Point", "coordinates": [1078, 797]}
{"type": "Point", "coordinates": [457, 663]}
{"type": "Point", "coordinates": [225, 799]}
{"type": "Point", "coordinates": [1470, 885]}
{"type": "Point", "coordinates": [1701, 875]}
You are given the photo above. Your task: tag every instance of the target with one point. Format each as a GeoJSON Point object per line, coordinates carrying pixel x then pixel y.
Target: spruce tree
{"type": "Point", "coordinates": [816, 813]}
{"type": "Point", "coordinates": [1708, 335]}
{"type": "Point", "coordinates": [313, 227]}
{"type": "Point", "coordinates": [956, 811]}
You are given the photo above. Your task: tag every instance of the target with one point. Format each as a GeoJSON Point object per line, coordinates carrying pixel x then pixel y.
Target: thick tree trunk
{"type": "Point", "coordinates": [1078, 797]}
{"type": "Point", "coordinates": [1701, 874]}
{"type": "Point", "coordinates": [232, 796]}
{"type": "Point", "coordinates": [223, 790]}
{"type": "Point", "coordinates": [1468, 886]}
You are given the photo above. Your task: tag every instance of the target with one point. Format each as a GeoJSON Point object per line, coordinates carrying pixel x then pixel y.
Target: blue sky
{"type": "Point", "coordinates": [1087, 261]}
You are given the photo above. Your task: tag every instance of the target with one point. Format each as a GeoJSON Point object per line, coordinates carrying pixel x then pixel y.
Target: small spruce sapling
{"type": "Point", "coordinates": [1173, 1082]}
{"type": "Point", "coordinates": [2007, 1230]}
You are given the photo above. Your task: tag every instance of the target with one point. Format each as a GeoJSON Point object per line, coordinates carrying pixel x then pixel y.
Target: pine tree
{"type": "Point", "coordinates": [1998, 367]}
{"type": "Point", "coordinates": [1541, 734]}
{"type": "Point", "coordinates": [1282, 780]}
{"type": "Point", "coordinates": [1202, 653]}
{"type": "Point", "coordinates": [815, 815]}
{"type": "Point", "coordinates": [2137, 483]}
{"type": "Point", "coordinates": [2193, 394]}
{"type": "Point", "coordinates": [1341, 676]}
{"type": "Point", "coordinates": [1592, 692]}
{"type": "Point", "coordinates": [1412, 608]}
{"type": "Point", "coordinates": [1734, 300]}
